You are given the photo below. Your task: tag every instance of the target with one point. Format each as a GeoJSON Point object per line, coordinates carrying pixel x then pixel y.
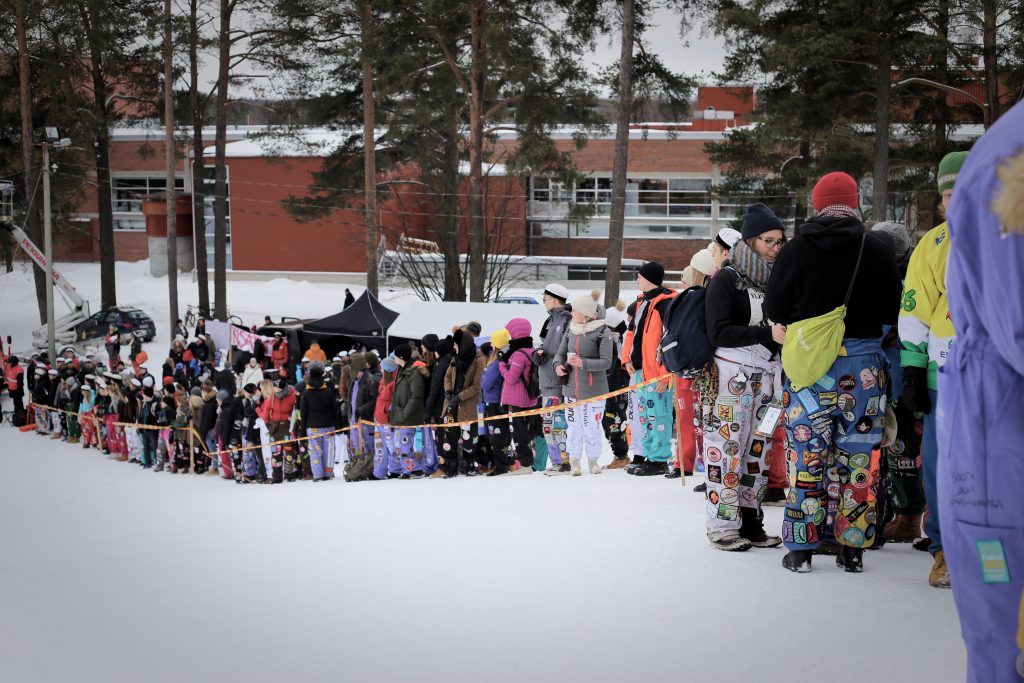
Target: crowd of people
{"type": "Point", "coordinates": [847, 441]}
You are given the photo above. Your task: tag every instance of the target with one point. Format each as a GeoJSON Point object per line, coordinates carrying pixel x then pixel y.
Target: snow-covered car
{"type": "Point", "coordinates": [515, 300]}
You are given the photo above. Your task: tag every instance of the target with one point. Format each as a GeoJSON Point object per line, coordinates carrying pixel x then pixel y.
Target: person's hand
{"type": "Point", "coordinates": [630, 369]}
{"type": "Point", "coordinates": [561, 371]}
{"type": "Point", "coordinates": [576, 362]}
{"type": "Point", "coordinates": [663, 385]}
{"type": "Point", "coordinates": [779, 334]}
{"type": "Point", "coordinates": [915, 390]}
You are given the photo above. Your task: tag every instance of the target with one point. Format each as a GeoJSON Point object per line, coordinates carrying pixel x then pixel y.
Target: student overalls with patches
{"type": "Point", "coordinates": [832, 428]}
{"type": "Point", "coordinates": [735, 456]}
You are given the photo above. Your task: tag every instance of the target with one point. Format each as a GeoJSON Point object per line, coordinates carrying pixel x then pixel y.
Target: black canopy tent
{"type": "Point", "coordinates": [365, 322]}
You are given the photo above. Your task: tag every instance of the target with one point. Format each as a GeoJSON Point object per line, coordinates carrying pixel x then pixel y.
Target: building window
{"type": "Point", "coordinates": [598, 273]}
{"type": "Point", "coordinates": [209, 194]}
{"type": "Point", "coordinates": [127, 193]}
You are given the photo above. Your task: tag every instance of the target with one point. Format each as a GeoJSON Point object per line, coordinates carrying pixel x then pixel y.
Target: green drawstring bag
{"type": "Point", "coordinates": [812, 345]}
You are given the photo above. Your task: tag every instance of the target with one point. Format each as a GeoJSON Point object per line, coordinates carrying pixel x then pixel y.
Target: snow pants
{"type": "Point", "coordinates": [735, 456]}
{"type": "Point", "coordinates": [929, 466]}
{"type": "Point", "coordinates": [583, 436]}
{"type": "Point", "coordinates": [42, 420]}
{"type": "Point", "coordinates": [321, 452]}
{"type": "Point", "coordinates": [74, 427]}
{"type": "Point", "coordinates": [655, 408]}
{"type": "Point", "coordinates": [384, 438]}
{"type": "Point", "coordinates": [404, 459]}
{"type": "Point", "coordinates": [615, 422]}
{"type": "Point", "coordinates": [523, 429]}
{"type": "Point", "coordinates": [280, 452]}
{"type": "Point", "coordinates": [777, 478]}
{"type": "Point", "coordinates": [832, 428]}
{"type": "Point", "coordinates": [555, 430]}
{"type": "Point", "coordinates": [90, 429]}
{"type": "Point", "coordinates": [636, 427]}
{"type": "Point", "coordinates": [902, 474]}
{"type": "Point", "coordinates": [686, 433]}
{"type": "Point", "coordinates": [980, 478]}
{"type": "Point", "coordinates": [115, 437]}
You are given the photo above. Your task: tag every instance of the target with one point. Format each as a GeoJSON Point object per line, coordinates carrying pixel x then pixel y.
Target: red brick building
{"type": "Point", "coordinates": [669, 210]}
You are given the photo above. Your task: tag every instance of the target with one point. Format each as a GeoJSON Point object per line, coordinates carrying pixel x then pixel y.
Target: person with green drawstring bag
{"type": "Point", "coordinates": [834, 288]}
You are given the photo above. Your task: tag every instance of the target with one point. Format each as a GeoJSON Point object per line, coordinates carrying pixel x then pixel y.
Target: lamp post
{"type": "Point", "coordinates": [50, 139]}
{"type": "Point", "coordinates": [986, 113]}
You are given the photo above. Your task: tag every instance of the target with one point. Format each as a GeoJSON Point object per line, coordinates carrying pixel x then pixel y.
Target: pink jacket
{"type": "Point", "coordinates": [515, 371]}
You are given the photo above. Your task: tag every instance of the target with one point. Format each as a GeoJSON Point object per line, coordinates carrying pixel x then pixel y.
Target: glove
{"type": "Point", "coordinates": [453, 400]}
{"type": "Point", "coordinates": [915, 390]}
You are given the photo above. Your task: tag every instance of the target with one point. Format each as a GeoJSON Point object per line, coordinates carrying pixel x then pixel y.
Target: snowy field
{"type": "Point", "coordinates": [109, 573]}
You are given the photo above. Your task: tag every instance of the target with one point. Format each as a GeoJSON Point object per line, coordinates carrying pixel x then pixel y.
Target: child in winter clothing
{"type": "Point", "coordinates": [515, 366]}
{"type": "Point", "coordinates": [383, 436]}
{"type": "Point", "coordinates": [584, 358]}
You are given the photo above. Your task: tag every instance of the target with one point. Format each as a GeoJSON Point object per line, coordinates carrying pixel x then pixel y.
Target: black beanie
{"type": "Point", "coordinates": [653, 272]}
{"type": "Point", "coordinates": [249, 388]}
{"type": "Point", "coordinates": [445, 346]}
{"type": "Point", "coordinates": [474, 328]}
{"type": "Point", "coordinates": [759, 219]}
{"type": "Point", "coordinates": [429, 342]}
{"type": "Point", "coordinates": [404, 352]}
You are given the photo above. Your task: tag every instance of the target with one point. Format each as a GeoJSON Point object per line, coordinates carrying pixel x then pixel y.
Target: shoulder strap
{"type": "Point", "coordinates": [856, 268]}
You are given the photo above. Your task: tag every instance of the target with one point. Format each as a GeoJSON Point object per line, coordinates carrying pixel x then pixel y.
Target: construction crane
{"type": "Point", "coordinates": [64, 327]}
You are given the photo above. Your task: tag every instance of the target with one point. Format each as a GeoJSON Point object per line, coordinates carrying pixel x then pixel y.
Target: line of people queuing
{"type": "Point", "coordinates": [859, 438]}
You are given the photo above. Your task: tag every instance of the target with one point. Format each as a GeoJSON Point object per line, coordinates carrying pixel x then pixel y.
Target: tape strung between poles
{"type": "Point", "coordinates": [449, 425]}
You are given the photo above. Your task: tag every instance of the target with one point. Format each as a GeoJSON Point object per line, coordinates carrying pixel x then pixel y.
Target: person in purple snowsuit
{"type": "Point", "coordinates": [980, 433]}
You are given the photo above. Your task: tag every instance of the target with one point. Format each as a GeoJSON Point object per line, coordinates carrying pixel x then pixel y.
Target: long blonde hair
{"type": "Point", "coordinates": [267, 388]}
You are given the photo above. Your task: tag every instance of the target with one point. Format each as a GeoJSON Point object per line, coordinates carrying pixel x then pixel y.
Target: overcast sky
{"type": "Point", "coordinates": [694, 55]}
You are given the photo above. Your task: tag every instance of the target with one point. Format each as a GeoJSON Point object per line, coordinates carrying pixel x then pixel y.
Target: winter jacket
{"type": "Point", "coordinates": [491, 383]}
{"type": "Point", "coordinates": [225, 381]}
{"type": "Point", "coordinates": [435, 393]}
{"type": "Point", "coordinates": [315, 354]}
{"type": "Point", "coordinates": [229, 421]}
{"type": "Point", "coordinates": [551, 335]}
{"type": "Point", "coordinates": [925, 326]}
{"type": "Point", "coordinates": [594, 347]}
{"type": "Point", "coordinates": [279, 354]}
{"type": "Point", "coordinates": [812, 273]}
{"type": "Point", "coordinates": [734, 317]}
{"type": "Point", "coordinates": [642, 350]}
{"type": "Point", "coordinates": [515, 368]}
{"type": "Point", "coordinates": [208, 415]}
{"type": "Point", "coordinates": [148, 411]}
{"type": "Point", "coordinates": [250, 432]}
{"type": "Point", "coordinates": [252, 375]}
{"type": "Point", "coordinates": [407, 406]}
{"type": "Point", "coordinates": [41, 391]}
{"type": "Point", "coordinates": [317, 405]}
{"type": "Point", "coordinates": [385, 393]}
{"type": "Point", "coordinates": [366, 397]}
{"type": "Point", "coordinates": [463, 379]}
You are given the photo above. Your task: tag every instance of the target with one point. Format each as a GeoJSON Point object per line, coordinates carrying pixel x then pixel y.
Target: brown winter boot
{"type": "Point", "coordinates": [73, 439]}
{"type": "Point", "coordinates": [617, 463]}
{"type": "Point", "coordinates": [939, 575]}
{"type": "Point", "coordinates": [903, 529]}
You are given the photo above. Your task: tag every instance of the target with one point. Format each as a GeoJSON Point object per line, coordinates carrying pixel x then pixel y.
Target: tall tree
{"type": "Point", "coordinates": [169, 161]}
{"type": "Point", "coordinates": [29, 168]}
{"type": "Point", "coordinates": [369, 144]}
{"type": "Point", "coordinates": [623, 111]}
{"type": "Point", "coordinates": [197, 106]}
{"type": "Point", "coordinates": [220, 200]}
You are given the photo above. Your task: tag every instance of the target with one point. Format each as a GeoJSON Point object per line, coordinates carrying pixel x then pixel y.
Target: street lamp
{"type": "Point", "coordinates": [50, 139]}
{"type": "Point", "coordinates": [949, 88]}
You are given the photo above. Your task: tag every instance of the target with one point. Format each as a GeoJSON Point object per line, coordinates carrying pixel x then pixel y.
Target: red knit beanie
{"type": "Point", "coordinates": [835, 189]}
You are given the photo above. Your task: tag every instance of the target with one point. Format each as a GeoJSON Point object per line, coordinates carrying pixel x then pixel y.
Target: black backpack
{"type": "Point", "coordinates": [685, 349]}
{"type": "Point", "coordinates": [532, 380]}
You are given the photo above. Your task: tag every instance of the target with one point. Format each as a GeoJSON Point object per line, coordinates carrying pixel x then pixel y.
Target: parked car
{"type": "Point", "coordinates": [515, 300]}
{"type": "Point", "coordinates": [126, 320]}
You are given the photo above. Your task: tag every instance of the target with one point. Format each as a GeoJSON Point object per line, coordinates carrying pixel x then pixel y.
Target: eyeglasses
{"type": "Point", "coordinates": [769, 242]}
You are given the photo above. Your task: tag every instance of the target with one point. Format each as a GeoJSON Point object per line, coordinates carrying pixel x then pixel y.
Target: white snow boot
{"type": "Point", "coordinates": [576, 471]}
{"type": "Point", "coordinates": [594, 467]}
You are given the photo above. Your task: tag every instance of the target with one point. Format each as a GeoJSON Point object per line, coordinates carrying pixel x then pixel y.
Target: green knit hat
{"type": "Point", "coordinates": [949, 168]}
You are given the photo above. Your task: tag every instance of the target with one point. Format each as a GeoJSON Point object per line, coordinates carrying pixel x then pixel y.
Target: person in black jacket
{"type": "Point", "coordinates": [40, 399]}
{"type": "Point", "coordinates": [208, 420]}
{"type": "Point", "coordinates": [842, 413]}
{"type": "Point", "coordinates": [149, 408]}
{"type": "Point", "coordinates": [317, 409]}
{"type": "Point", "coordinates": [749, 377]}
{"type": "Point", "coordinates": [228, 427]}
{"type": "Point", "coordinates": [436, 354]}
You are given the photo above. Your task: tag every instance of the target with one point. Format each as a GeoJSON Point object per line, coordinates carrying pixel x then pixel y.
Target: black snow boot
{"type": "Point", "coordinates": [649, 468]}
{"type": "Point", "coordinates": [798, 561]}
{"type": "Point", "coordinates": [674, 473]}
{"type": "Point", "coordinates": [850, 559]}
{"type": "Point", "coordinates": [701, 487]}
{"type": "Point", "coordinates": [638, 460]}
{"type": "Point", "coordinates": [752, 529]}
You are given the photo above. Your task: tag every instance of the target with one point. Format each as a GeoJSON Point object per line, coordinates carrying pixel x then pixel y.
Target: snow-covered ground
{"type": "Point", "coordinates": [112, 573]}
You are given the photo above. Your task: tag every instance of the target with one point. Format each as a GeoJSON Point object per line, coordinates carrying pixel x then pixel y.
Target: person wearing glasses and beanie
{"type": "Point", "coordinates": [749, 377]}
{"type": "Point", "coordinates": [641, 360]}
{"type": "Point", "coordinates": [834, 425]}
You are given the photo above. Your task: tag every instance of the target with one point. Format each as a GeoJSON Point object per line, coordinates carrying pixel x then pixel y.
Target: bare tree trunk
{"type": "Point", "coordinates": [172, 202]}
{"type": "Point", "coordinates": [454, 285]}
{"type": "Point", "coordinates": [32, 227]}
{"type": "Point", "coordinates": [477, 79]}
{"type": "Point", "coordinates": [369, 154]}
{"type": "Point", "coordinates": [989, 39]}
{"type": "Point", "coordinates": [220, 203]}
{"type": "Point", "coordinates": [883, 84]}
{"type": "Point", "coordinates": [101, 152]}
{"type": "Point", "coordinates": [624, 107]}
{"type": "Point", "coordinates": [198, 192]}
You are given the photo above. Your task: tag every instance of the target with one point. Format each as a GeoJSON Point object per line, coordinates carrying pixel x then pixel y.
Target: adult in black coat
{"type": "Point", "coordinates": [434, 401]}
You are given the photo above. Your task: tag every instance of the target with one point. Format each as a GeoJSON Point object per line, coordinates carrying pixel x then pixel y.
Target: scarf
{"type": "Point", "coordinates": [590, 326]}
{"type": "Point", "coordinates": [753, 270]}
